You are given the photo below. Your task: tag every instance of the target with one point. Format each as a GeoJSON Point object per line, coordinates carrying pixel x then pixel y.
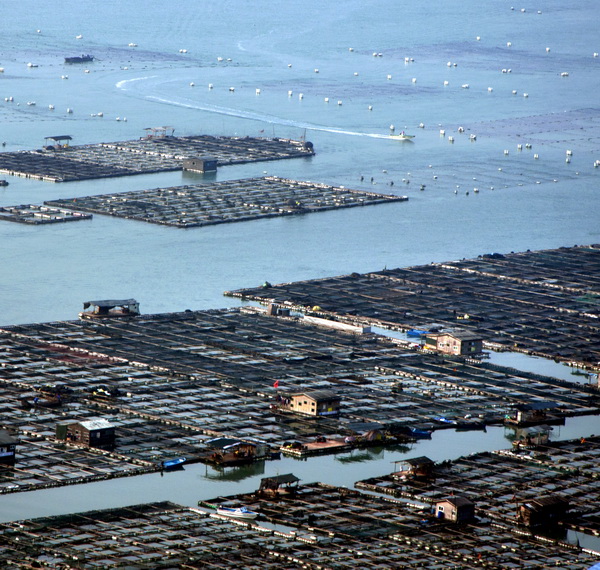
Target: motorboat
{"type": "Point", "coordinates": [238, 513]}
{"type": "Point", "coordinates": [402, 136]}
{"type": "Point", "coordinates": [174, 463]}
{"type": "Point", "coordinates": [83, 58]}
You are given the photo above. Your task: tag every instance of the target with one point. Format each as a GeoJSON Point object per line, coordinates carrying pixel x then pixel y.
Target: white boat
{"type": "Point", "coordinates": [238, 513]}
{"type": "Point", "coordinates": [402, 137]}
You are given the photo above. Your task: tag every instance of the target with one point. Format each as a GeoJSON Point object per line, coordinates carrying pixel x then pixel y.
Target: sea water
{"type": "Point", "coordinates": [380, 65]}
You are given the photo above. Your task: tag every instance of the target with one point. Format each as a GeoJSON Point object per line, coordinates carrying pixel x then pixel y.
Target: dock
{"type": "Point", "coordinates": [543, 303]}
{"type": "Point", "coordinates": [143, 156]}
{"type": "Point", "coordinates": [222, 202]}
{"type": "Point", "coordinates": [38, 215]}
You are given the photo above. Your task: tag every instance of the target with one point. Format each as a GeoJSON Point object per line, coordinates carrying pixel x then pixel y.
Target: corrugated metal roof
{"type": "Point", "coordinates": [96, 424]}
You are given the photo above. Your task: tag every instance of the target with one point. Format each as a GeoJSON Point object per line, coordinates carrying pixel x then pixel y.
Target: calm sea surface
{"type": "Point", "coordinates": [320, 50]}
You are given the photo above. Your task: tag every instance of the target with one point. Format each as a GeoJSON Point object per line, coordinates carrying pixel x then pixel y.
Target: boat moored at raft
{"type": "Point", "coordinates": [238, 513]}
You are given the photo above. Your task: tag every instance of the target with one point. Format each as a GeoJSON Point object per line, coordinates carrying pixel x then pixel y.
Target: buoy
{"type": "Point", "coordinates": [490, 89]}
{"type": "Point", "coordinates": [547, 50]}
{"type": "Point", "coordinates": [564, 74]}
{"type": "Point", "coordinates": [392, 128]}
{"type": "Point", "coordinates": [356, 74]}
{"type": "Point", "coordinates": [421, 126]}
{"type": "Point", "coordinates": [210, 85]}
{"type": "Point", "coordinates": [519, 147]}
{"type": "Point", "coordinates": [505, 152]}
{"type": "Point", "coordinates": [326, 99]}
{"type": "Point", "coordinates": [232, 89]}
{"type": "Point", "coordinates": [451, 139]}
{"type": "Point", "coordinates": [525, 95]}
{"type": "Point", "coordinates": [514, 92]}
{"type": "Point", "coordinates": [316, 70]}
{"type": "Point", "coordinates": [290, 93]}
{"type": "Point", "coordinates": [339, 102]}
{"type": "Point", "coordinates": [370, 107]}
{"type": "Point", "coordinates": [536, 156]}
{"type": "Point", "coordinates": [192, 83]}
{"type": "Point", "coordinates": [478, 38]}
{"type": "Point", "coordinates": [414, 79]}
{"type": "Point", "coordinates": [568, 160]}
{"type": "Point", "coordinates": [389, 77]}
{"type": "Point", "coordinates": [445, 82]}
{"type": "Point", "coordinates": [461, 129]}
{"type": "Point", "coordinates": [442, 132]}
{"type": "Point", "coordinates": [465, 85]}
{"type": "Point", "coordinates": [258, 91]}
{"type": "Point", "coordinates": [508, 44]}
{"type": "Point", "coordinates": [350, 49]}
{"type": "Point", "coordinates": [69, 110]}
{"type": "Point", "coordinates": [569, 153]}
{"type": "Point", "coordinates": [300, 95]}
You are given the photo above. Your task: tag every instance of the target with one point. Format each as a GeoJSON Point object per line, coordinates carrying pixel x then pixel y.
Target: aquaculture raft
{"type": "Point", "coordinates": [32, 214]}
{"type": "Point", "coordinates": [144, 156]}
{"type": "Point", "coordinates": [223, 202]}
{"type": "Point", "coordinates": [545, 303]}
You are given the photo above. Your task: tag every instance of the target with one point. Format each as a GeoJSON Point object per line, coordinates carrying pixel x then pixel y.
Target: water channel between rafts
{"type": "Point", "coordinates": [198, 481]}
{"type": "Point", "coordinates": [48, 271]}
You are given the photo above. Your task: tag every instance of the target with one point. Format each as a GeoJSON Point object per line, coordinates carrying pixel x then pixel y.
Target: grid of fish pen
{"type": "Point", "coordinates": [145, 155]}
{"type": "Point", "coordinates": [498, 482]}
{"type": "Point", "coordinates": [557, 316]}
{"type": "Point", "coordinates": [210, 373]}
{"type": "Point", "coordinates": [318, 527]}
{"type": "Point", "coordinates": [222, 202]}
{"type": "Point", "coordinates": [37, 215]}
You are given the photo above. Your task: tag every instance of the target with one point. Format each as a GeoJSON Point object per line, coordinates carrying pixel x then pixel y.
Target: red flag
{"type": "Point", "coordinates": [276, 384]}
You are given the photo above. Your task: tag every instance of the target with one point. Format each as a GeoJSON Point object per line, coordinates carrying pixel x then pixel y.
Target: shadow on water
{"type": "Point", "coordinates": [216, 473]}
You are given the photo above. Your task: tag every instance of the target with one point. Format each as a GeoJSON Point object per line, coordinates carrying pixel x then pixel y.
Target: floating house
{"type": "Point", "coordinates": [455, 509]}
{"type": "Point", "coordinates": [544, 511]}
{"type": "Point", "coordinates": [200, 164]}
{"type": "Point", "coordinates": [110, 309]}
{"type": "Point", "coordinates": [8, 445]}
{"type": "Point", "coordinates": [287, 483]}
{"type": "Point", "coordinates": [315, 403]}
{"type": "Point", "coordinates": [231, 451]}
{"type": "Point", "coordinates": [534, 413]}
{"type": "Point", "coordinates": [416, 468]}
{"type": "Point", "coordinates": [57, 142]}
{"type": "Point", "coordinates": [461, 343]}
{"type": "Point", "coordinates": [98, 433]}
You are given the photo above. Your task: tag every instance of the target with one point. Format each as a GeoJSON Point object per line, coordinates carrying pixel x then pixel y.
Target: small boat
{"type": "Point", "coordinates": [174, 463]}
{"type": "Point", "coordinates": [238, 513]}
{"type": "Point", "coordinates": [3, 182]}
{"type": "Point", "coordinates": [420, 433]}
{"type": "Point", "coordinates": [402, 136]}
{"type": "Point", "coordinates": [83, 58]}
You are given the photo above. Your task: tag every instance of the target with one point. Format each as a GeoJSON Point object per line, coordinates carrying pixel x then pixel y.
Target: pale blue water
{"type": "Point", "coordinates": [47, 272]}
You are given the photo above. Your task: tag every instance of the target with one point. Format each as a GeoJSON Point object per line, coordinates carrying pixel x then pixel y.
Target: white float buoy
{"type": "Point", "coordinates": [258, 91]}
{"type": "Point", "coordinates": [547, 50]}
{"type": "Point", "coordinates": [316, 70]}
{"type": "Point", "coordinates": [356, 74]}
{"type": "Point", "coordinates": [210, 85]}
{"type": "Point", "coordinates": [192, 84]}
{"type": "Point", "coordinates": [564, 74]}
{"type": "Point", "coordinates": [370, 107]}
{"type": "Point", "coordinates": [300, 95]}
{"type": "Point", "coordinates": [326, 99]}
{"type": "Point", "coordinates": [569, 153]}
{"type": "Point", "coordinates": [446, 82]}
{"type": "Point", "coordinates": [442, 132]}
{"type": "Point", "coordinates": [514, 91]}
{"type": "Point", "coordinates": [490, 89]}
{"type": "Point", "coordinates": [451, 139]}
{"type": "Point", "coordinates": [339, 102]}
{"type": "Point", "coordinates": [478, 38]}
{"type": "Point", "coordinates": [505, 152]}
{"type": "Point", "coordinates": [350, 49]}
{"type": "Point", "coordinates": [421, 126]}
{"type": "Point", "coordinates": [414, 79]}
{"type": "Point", "coordinates": [389, 77]}
{"type": "Point", "coordinates": [392, 128]}
{"type": "Point", "coordinates": [508, 44]}
{"type": "Point", "coordinates": [69, 110]}
{"type": "Point", "coordinates": [232, 89]}
{"type": "Point", "coordinates": [465, 85]}
{"type": "Point", "coordinates": [525, 95]}
{"type": "Point", "coordinates": [290, 93]}
{"type": "Point", "coordinates": [51, 107]}
{"type": "Point", "coordinates": [536, 156]}
{"type": "Point", "coordinates": [461, 129]}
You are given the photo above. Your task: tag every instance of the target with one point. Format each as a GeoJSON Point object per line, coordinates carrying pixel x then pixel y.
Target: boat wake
{"type": "Point", "coordinates": [243, 114]}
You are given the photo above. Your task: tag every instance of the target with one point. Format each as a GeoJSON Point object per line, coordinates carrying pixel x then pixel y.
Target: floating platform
{"type": "Point", "coordinates": [223, 202]}
{"type": "Point", "coordinates": [544, 303]}
{"type": "Point", "coordinates": [147, 155]}
{"type": "Point", "coordinates": [212, 375]}
{"type": "Point", "coordinates": [36, 215]}
{"type": "Point", "coordinates": [317, 526]}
